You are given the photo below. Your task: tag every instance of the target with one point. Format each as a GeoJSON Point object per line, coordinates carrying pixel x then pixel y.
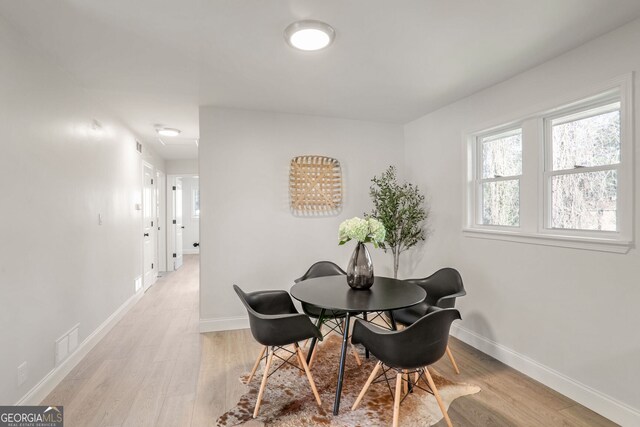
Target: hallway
{"type": "Point", "coordinates": [154, 368]}
{"type": "Point", "coordinates": [145, 371]}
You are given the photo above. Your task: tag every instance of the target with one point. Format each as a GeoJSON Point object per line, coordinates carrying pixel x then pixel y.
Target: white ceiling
{"type": "Point", "coordinates": [155, 62]}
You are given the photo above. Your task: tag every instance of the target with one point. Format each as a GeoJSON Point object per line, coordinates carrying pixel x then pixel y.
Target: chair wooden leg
{"type": "Point", "coordinates": [313, 355]}
{"type": "Point", "coordinates": [405, 382]}
{"type": "Point", "coordinates": [309, 377]}
{"type": "Point", "coordinates": [298, 359]}
{"type": "Point", "coordinates": [453, 361]}
{"type": "Point", "coordinates": [397, 398]}
{"type": "Point", "coordinates": [264, 382]}
{"type": "Point", "coordinates": [255, 366]}
{"type": "Point", "coordinates": [367, 385]}
{"type": "Point", "coordinates": [353, 348]}
{"type": "Point", "coordinates": [437, 395]}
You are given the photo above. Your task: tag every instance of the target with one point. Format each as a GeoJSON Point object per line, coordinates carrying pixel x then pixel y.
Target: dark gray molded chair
{"type": "Point", "coordinates": [442, 287]}
{"type": "Point", "coordinates": [321, 269]}
{"type": "Point", "coordinates": [409, 351]}
{"type": "Point", "coordinates": [276, 323]}
{"type": "Point", "coordinates": [333, 319]}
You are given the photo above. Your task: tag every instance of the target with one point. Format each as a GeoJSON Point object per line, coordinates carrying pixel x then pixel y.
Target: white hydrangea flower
{"type": "Point", "coordinates": [359, 229]}
{"type": "Point", "coordinates": [362, 230]}
{"type": "Point", "coordinates": [378, 232]}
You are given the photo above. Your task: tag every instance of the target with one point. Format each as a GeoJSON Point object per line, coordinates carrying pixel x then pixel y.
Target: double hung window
{"type": "Point", "coordinates": [499, 178]}
{"type": "Point", "coordinates": [562, 177]}
{"type": "Point", "coordinates": [582, 169]}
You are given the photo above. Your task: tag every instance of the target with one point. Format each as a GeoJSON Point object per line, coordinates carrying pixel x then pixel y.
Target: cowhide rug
{"type": "Point", "coordinates": [288, 400]}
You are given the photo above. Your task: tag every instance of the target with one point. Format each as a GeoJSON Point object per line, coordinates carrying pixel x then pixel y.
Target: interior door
{"type": "Point", "coordinates": [161, 197]}
{"type": "Point", "coordinates": [178, 224]}
{"type": "Point", "coordinates": [149, 231]}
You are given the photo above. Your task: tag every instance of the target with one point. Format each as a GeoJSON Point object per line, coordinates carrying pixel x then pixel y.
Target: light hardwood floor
{"type": "Point", "coordinates": [155, 369]}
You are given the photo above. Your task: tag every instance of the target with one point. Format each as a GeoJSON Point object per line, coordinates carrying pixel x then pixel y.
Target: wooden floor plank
{"type": "Point", "coordinates": [86, 405]}
{"type": "Point", "coordinates": [176, 411]}
{"type": "Point", "coordinates": [580, 416]}
{"type": "Point", "coordinates": [117, 405]}
{"type": "Point", "coordinates": [150, 397]}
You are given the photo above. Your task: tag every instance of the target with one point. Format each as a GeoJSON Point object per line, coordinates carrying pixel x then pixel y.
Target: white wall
{"type": "Point", "coordinates": [58, 267]}
{"type": "Point", "coordinates": [181, 166]}
{"type": "Point", "coordinates": [248, 235]}
{"type": "Point", "coordinates": [572, 311]}
{"type": "Point", "coordinates": [191, 232]}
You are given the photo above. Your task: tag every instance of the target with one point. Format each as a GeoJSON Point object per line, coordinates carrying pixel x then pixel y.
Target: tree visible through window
{"type": "Point", "coordinates": [501, 167]}
{"type": "Point", "coordinates": [585, 154]}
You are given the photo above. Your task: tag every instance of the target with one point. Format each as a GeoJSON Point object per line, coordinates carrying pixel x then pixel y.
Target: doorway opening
{"type": "Point", "coordinates": [183, 223]}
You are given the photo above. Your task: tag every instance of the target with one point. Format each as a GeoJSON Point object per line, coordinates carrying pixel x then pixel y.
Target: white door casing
{"type": "Point", "coordinates": [178, 223]}
{"type": "Point", "coordinates": [149, 222]}
{"type": "Point", "coordinates": [161, 196]}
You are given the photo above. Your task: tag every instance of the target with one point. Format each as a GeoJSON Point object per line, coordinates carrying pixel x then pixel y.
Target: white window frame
{"type": "Point", "coordinates": [535, 181]}
{"type": "Point", "coordinates": [549, 173]}
{"type": "Point", "coordinates": [479, 180]}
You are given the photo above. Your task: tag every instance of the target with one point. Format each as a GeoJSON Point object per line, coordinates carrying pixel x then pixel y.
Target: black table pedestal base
{"type": "Point", "coordinates": [366, 350]}
{"type": "Point", "coordinates": [343, 356]}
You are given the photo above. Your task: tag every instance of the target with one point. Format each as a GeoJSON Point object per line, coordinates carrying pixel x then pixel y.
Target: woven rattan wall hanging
{"type": "Point", "coordinates": [315, 185]}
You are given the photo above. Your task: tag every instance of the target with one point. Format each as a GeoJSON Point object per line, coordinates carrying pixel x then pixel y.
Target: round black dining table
{"type": "Point", "coordinates": [332, 293]}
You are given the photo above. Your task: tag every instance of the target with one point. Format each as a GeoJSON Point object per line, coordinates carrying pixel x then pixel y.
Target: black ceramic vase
{"type": "Point", "coordinates": [360, 268]}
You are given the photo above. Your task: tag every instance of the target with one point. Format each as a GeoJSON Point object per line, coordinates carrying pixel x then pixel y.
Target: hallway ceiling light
{"type": "Point", "coordinates": [168, 131]}
{"type": "Point", "coordinates": [309, 35]}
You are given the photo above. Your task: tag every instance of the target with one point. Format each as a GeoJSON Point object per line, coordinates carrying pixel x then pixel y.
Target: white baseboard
{"type": "Point", "coordinates": [41, 390]}
{"type": "Point", "coordinates": [224, 323]}
{"type": "Point", "coordinates": [606, 406]}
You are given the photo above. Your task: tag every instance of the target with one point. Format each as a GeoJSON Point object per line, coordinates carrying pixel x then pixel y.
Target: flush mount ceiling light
{"type": "Point", "coordinates": [168, 131]}
{"type": "Point", "coordinates": [309, 35]}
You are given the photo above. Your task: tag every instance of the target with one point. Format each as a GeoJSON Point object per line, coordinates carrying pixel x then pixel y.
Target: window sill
{"type": "Point", "coordinates": [586, 243]}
